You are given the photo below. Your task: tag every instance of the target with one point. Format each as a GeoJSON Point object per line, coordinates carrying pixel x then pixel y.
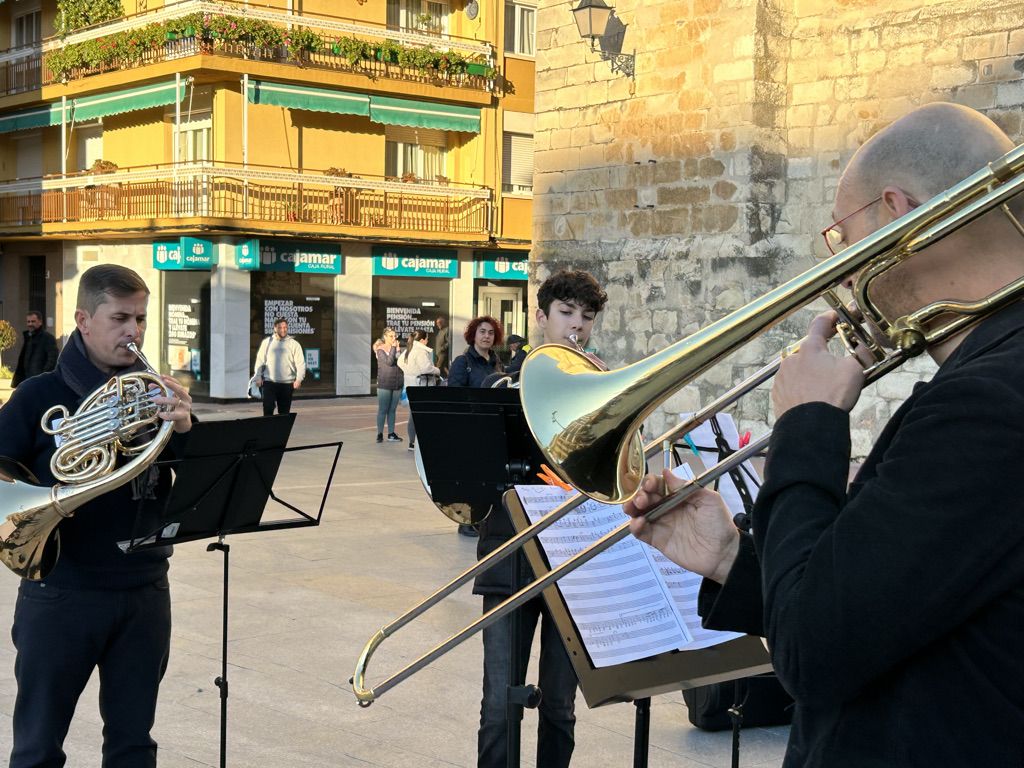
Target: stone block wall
{"type": "Point", "coordinates": [705, 182]}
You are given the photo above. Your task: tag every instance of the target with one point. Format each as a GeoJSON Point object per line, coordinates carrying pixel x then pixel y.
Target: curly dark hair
{"type": "Point", "coordinates": [470, 334]}
{"type": "Point", "coordinates": [576, 286]}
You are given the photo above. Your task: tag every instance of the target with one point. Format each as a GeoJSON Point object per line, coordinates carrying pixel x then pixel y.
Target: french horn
{"type": "Point", "coordinates": [118, 420]}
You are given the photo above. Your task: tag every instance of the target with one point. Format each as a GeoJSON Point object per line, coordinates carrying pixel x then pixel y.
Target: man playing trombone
{"type": "Point", "coordinates": [893, 608]}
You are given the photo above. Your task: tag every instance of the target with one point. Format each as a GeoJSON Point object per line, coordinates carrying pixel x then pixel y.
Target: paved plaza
{"type": "Point", "coordinates": [303, 603]}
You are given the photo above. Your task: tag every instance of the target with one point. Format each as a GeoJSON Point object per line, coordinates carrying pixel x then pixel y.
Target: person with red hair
{"type": "Point", "coordinates": [473, 366]}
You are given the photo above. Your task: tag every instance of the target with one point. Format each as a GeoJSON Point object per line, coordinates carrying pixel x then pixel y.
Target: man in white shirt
{"type": "Point", "coordinates": [280, 368]}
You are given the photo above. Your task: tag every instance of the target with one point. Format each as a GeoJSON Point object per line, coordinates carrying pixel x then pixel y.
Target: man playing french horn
{"type": "Point", "coordinates": [893, 608]}
{"type": "Point", "coordinates": [98, 607]}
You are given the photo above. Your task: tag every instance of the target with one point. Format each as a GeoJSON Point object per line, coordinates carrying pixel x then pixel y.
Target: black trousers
{"type": "Point", "coordinates": [277, 394]}
{"type": "Point", "coordinates": [61, 636]}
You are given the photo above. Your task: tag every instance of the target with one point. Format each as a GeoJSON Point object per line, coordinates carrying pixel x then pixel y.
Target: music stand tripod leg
{"type": "Point", "coordinates": [520, 695]}
{"type": "Point", "coordinates": [222, 681]}
{"type": "Point", "coordinates": [641, 732]}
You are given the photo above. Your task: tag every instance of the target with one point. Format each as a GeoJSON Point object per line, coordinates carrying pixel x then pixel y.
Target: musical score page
{"type": "Point", "coordinates": [620, 603]}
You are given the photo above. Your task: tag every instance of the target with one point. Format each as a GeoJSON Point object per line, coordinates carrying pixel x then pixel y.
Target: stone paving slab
{"type": "Point", "coordinates": [303, 602]}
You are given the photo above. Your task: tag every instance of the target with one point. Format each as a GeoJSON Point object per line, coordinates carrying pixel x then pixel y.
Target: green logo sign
{"type": "Point", "coordinates": [296, 256]}
{"type": "Point", "coordinates": [502, 267]}
{"type": "Point", "coordinates": [415, 262]}
{"type": "Point", "coordinates": [184, 253]}
{"type": "Point", "coordinates": [247, 254]}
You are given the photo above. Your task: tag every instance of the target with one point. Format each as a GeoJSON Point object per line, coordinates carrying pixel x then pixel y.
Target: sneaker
{"type": "Point", "coordinates": [412, 446]}
{"type": "Point", "coordinates": [465, 529]}
{"type": "Point", "coordinates": [380, 437]}
{"type": "Point", "coordinates": [393, 438]}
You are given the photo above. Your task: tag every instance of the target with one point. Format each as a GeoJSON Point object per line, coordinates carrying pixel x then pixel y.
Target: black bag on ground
{"type": "Point", "coordinates": [763, 700]}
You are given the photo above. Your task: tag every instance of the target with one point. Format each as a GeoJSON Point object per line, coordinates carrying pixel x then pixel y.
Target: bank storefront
{"type": "Point", "coordinates": [294, 280]}
{"type": "Point", "coordinates": [412, 287]}
{"type": "Point", "coordinates": [499, 288]}
{"type": "Point", "coordinates": [216, 299]}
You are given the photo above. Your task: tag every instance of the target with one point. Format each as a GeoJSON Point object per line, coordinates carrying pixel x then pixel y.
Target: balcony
{"type": "Point", "coordinates": [241, 31]}
{"type": "Point", "coordinates": [232, 197]}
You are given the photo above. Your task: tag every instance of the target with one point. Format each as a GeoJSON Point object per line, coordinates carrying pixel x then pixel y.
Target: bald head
{"type": "Point", "coordinates": [925, 152]}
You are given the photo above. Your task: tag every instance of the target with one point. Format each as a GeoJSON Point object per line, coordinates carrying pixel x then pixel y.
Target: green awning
{"type": "Point", "coordinates": [92, 107]}
{"type": "Point", "coordinates": [130, 100]}
{"type": "Point", "coordinates": [424, 114]}
{"type": "Point", "coordinates": [308, 98]}
{"type": "Point", "coordinates": [37, 117]}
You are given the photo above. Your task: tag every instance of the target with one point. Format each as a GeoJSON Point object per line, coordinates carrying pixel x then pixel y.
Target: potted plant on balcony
{"type": "Point", "coordinates": [353, 50]}
{"type": "Point", "coordinates": [103, 166]}
{"type": "Point", "coordinates": [301, 42]}
{"type": "Point", "coordinates": [389, 52]}
{"type": "Point", "coordinates": [410, 178]}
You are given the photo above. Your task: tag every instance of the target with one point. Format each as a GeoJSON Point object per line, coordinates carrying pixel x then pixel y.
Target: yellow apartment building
{"type": "Point", "coordinates": [346, 164]}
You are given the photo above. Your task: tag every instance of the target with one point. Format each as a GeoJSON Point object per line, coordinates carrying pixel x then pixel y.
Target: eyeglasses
{"type": "Point", "coordinates": [833, 234]}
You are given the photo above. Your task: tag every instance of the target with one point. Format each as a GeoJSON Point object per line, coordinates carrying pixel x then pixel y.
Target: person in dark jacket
{"type": "Point", "coordinates": [38, 351]}
{"type": "Point", "coordinates": [479, 361]}
{"type": "Point", "coordinates": [390, 382]}
{"type": "Point", "coordinates": [99, 608]}
{"type": "Point", "coordinates": [442, 345]}
{"type": "Point", "coordinates": [568, 303]}
{"type": "Point", "coordinates": [518, 348]}
{"type": "Point", "coordinates": [894, 608]}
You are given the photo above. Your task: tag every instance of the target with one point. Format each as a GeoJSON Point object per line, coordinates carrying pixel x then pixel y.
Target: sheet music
{"type": "Point", "coordinates": [619, 601]}
{"type": "Point", "coordinates": [684, 586]}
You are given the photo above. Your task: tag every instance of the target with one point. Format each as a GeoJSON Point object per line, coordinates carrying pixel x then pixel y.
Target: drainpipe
{"type": "Point", "coordinates": [245, 142]}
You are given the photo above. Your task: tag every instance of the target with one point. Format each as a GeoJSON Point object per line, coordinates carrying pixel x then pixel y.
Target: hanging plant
{"type": "Point", "coordinates": [75, 14]}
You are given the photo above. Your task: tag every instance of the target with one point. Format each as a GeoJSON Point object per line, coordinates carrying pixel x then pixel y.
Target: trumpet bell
{"type": "Point", "coordinates": [580, 429]}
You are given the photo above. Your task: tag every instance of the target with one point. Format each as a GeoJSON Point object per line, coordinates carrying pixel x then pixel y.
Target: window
{"type": "Point", "coordinates": [519, 27]}
{"type": "Point", "coordinates": [88, 144]}
{"type": "Point", "coordinates": [517, 163]}
{"type": "Point", "coordinates": [27, 29]}
{"type": "Point", "coordinates": [419, 151]}
{"type": "Point", "coordinates": [195, 138]}
{"type": "Point", "coordinates": [427, 16]}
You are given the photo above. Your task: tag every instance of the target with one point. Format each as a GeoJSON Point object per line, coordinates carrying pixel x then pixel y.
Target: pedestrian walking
{"type": "Point", "coordinates": [280, 369]}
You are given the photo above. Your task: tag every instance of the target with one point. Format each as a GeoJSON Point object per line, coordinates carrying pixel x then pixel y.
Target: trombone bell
{"type": "Point", "coordinates": [581, 429]}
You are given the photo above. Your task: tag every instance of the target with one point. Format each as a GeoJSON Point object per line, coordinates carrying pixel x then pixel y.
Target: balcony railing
{"type": "Point", "coordinates": [157, 45]}
{"type": "Point", "coordinates": [255, 193]}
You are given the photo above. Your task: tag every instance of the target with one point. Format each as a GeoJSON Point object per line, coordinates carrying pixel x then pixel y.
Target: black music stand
{"type": "Point", "coordinates": [475, 444]}
{"type": "Point", "coordinates": [222, 484]}
{"type": "Point", "coordinates": [637, 681]}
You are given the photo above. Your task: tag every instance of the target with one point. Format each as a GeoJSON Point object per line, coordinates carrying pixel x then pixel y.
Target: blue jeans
{"type": "Point", "coordinates": [557, 681]}
{"type": "Point", "coordinates": [387, 404]}
{"type": "Point", "coordinates": [61, 636]}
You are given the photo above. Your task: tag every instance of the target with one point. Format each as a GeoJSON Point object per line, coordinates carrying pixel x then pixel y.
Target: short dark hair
{"type": "Point", "coordinates": [279, 320]}
{"type": "Point", "coordinates": [35, 312]}
{"type": "Point", "coordinates": [470, 334]}
{"type": "Point", "coordinates": [576, 286]}
{"type": "Point", "coordinates": [99, 283]}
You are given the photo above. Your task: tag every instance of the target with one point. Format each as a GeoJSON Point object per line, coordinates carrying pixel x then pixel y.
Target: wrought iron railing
{"type": "Point", "coordinates": [25, 68]}
{"type": "Point", "coordinates": [258, 194]}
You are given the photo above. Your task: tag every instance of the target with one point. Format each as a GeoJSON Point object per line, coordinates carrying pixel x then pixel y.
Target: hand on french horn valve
{"type": "Point", "coordinates": [177, 407]}
{"type": "Point", "coordinates": [697, 534]}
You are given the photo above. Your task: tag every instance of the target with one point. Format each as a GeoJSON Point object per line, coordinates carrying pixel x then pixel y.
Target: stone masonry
{"type": "Point", "coordinates": [706, 181]}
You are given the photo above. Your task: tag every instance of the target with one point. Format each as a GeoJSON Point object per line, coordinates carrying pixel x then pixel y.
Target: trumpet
{"type": "Point", "coordinates": [117, 419]}
{"type": "Point", "coordinates": [584, 419]}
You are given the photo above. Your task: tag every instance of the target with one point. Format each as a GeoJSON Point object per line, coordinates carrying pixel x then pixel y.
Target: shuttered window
{"type": "Point", "coordinates": [517, 163]}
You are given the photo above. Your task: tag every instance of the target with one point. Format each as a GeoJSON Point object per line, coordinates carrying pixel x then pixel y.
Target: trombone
{"type": "Point", "coordinates": [585, 419]}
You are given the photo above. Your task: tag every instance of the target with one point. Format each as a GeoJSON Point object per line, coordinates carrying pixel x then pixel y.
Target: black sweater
{"type": "Point", "coordinates": [89, 555]}
{"type": "Point", "coordinates": [895, 609]}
